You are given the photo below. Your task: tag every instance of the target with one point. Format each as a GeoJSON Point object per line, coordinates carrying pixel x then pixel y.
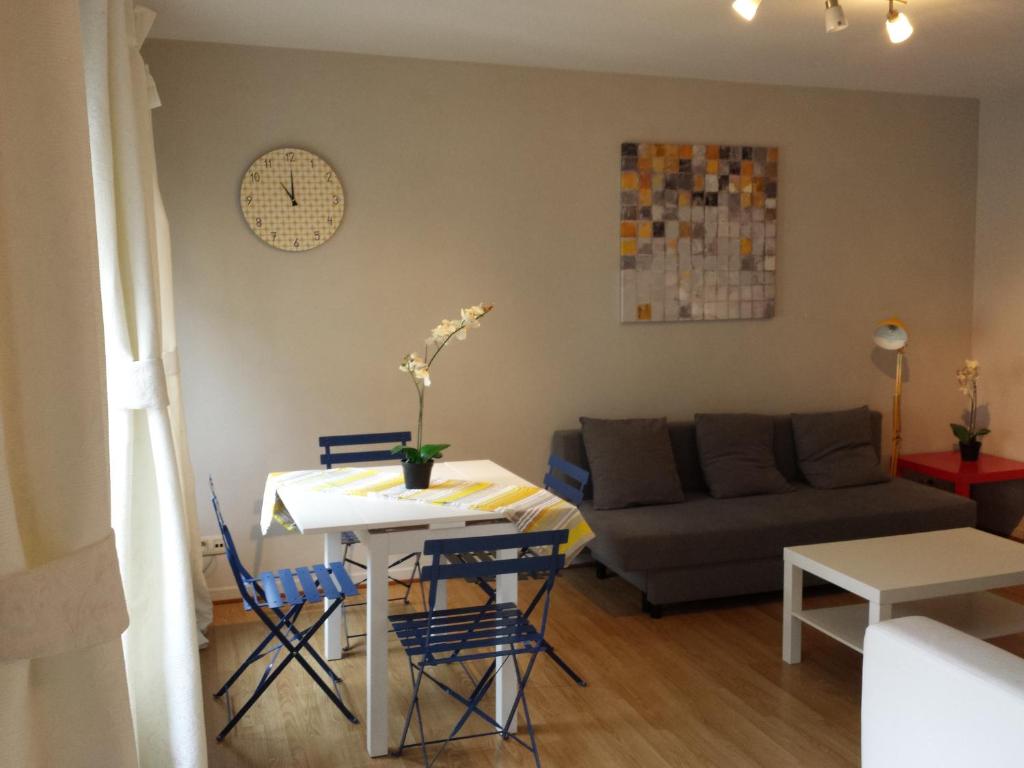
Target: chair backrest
{"type": "Point", "coordinates": [445, 562]}
{"type": "Point", "coordinates": [571, 483]}
{"type": "Point", "coordinates": [329, 459]}
{"type": "Point", "coordinates": [237, 569]}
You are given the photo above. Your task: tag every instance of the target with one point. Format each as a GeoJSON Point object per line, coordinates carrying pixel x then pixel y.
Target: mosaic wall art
{"type": "Point", "coordinates": [697, 232]}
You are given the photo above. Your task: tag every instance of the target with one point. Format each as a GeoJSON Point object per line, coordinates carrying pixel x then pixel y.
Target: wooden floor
{"type": "Point", "coordinates": [704, 686]}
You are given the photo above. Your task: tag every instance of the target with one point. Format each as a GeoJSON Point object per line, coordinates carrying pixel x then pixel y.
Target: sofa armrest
{"type": "Point", "coordinates": [934, 696]}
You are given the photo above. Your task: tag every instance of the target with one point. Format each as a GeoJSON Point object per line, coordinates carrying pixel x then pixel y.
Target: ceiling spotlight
{"type": "Point", "coordinates": [897, 24]}
{"type": "Point", "coordinates": [746, 8]}
{"type": "Point", "coordinates": [835, 17]}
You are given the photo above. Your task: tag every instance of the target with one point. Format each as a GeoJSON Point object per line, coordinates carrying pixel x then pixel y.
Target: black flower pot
{"type": "Point", "coordinates": [417, 476]}
{"type": "Point", "coordinates": [970, 451]}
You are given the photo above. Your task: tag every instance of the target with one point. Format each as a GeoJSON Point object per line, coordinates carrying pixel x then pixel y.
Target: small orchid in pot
{"type": "Point", "coordinates": [417, 461]}
{"type": "Point", "coordinates": [968, 434]}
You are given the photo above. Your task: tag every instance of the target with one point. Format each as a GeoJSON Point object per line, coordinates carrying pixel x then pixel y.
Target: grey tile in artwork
{"type": "Point", "coordinates": [628, 262]}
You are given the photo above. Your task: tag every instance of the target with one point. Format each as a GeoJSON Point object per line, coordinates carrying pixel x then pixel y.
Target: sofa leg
{"type": "Point", "coordinates": [650, 608]}
{"type": "Point", "coordinates": [602, 571]}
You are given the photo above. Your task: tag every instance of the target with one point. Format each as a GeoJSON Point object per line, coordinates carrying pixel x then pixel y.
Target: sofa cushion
{"type": "Point", "coordinates": [704, 530]}
{"type": "Point", "coordinates": [737, 454]}
{"type": "Point", "coordinates": [835, 449]}
{"type": "Point", "coordinates": [631, 462]}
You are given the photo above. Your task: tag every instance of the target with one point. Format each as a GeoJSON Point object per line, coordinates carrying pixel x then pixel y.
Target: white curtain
{"type": "Point", "coordinates": [63, 690]}
{"type": "Point", "coordinates": [151, 483]}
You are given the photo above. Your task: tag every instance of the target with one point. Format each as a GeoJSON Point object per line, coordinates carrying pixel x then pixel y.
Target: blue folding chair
{"type": "Point", "coordinates": [438, 637]}
{"type": "Point", "coordinates": [566, 480]}
{"type": "Point", "coordinates": [283, 594]}
{"type": "Point", "coordinates": [348, 538]}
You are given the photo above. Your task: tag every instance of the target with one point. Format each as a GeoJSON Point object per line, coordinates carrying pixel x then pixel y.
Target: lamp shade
{"type": "Point", "coordinates": [898, 26]}
{"type": "Point", "coordinates": [891, 335]}
{"type": "Point", "coordinates": [835, 17]}
{"type": "Point", "coordinates": [746, 8]}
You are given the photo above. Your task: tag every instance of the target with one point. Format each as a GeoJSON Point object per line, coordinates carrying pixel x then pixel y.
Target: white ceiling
{"type": "Point", "coordinates": [960, 47]}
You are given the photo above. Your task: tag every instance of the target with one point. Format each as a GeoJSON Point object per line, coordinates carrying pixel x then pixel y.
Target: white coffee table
{"type": "Point", "coordinates": [940, 574]}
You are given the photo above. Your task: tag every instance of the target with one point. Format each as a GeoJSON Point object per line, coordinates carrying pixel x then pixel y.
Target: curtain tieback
{"type": "Point", "coordinates": [71, 603]}
{"type": "Point", "coordinates": [138, 385]}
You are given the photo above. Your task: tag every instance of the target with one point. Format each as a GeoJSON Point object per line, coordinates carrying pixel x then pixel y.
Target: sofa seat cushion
{"type": "Point", "coordinates": [704, 530]}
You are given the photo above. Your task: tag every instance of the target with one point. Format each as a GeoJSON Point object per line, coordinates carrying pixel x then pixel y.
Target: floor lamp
{"type": "Point", "coordinates": [891, 335]}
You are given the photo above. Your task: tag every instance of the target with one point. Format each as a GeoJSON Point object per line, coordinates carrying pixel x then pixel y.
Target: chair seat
{"type": "Point", "coordinates": [349, 537]}
{"type": "Point", "coordinates": [276, 589]}
{"type": "Point", "coordinates": [455, 631]}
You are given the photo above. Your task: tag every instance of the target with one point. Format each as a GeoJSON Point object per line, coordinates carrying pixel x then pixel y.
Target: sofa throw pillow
{"type": "Point", "coordinates": [631, 462]}
{"type": "Point", "coordinates": [737, 454]}
{"type": "Point", "coordinates": [835, 449]}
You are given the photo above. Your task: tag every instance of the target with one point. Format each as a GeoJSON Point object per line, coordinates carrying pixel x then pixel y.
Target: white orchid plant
{"type": "Point", "coordinates": [967, 379]}
{"type": "Point", "coordinates": [418, 367]}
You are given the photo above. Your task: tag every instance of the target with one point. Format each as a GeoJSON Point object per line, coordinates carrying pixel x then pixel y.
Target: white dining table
{"type": "Point", "coordinates": [389, 527]}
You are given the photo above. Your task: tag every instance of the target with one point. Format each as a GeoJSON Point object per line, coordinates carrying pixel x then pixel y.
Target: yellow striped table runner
{"type": "Point", "coordinates": [529, 507]}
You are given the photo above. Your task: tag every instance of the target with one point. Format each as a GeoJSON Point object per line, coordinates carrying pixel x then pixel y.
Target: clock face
{"type": "Point", "coordinates": [292, 199]}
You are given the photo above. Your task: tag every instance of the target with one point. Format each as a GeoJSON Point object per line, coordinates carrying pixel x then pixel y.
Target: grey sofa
{"type": "Point", "coordinates": [705, 547]}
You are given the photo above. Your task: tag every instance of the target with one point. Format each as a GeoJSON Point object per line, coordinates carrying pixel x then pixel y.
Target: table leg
{"type": "Point", "coordinates": [879, 612]}
{"type": "Point", "coordinates": [377, 644]}
{"type": "Point", "coordinates": [333, 631]}
{"type": "Point", "coordinates": [962, 489]}
{"type": "Point", "coordinates": [792, 603]}
{"type": "Point", "coordinates": [505, 686]}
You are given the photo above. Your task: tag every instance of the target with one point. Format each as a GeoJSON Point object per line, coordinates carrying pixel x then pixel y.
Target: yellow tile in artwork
{"type": "Point", "coordinates": [712, 166]}
{"type": "Point", "coordinates": [758, 183]}
{"type": "Point", "coordinates": [627, 229]}
{"type": "Point", "coordinates": [684, 229]}
{"type": "Point", "coordinates": [645, 196]}
{"type": "Point", "coordinates": [712, 151]}
{"type": "Point", "coordinates": [745, 200]}
{"type": "Point", "coordinates": [643, 311]}
{"type": "Point", "coordinates": [646, 229]}
{"type": "Point", "coordinates": [659, 150]}
{"type": "Point", "coordinates": [684, 199]}
{"type": "Point", "coordinates": [698, 183]}
{"type": "Point", "coordinates": [627, 246]}
{"type": "Point", "coordinates": [746, 246]}
{"type": "Point", "coordinates": [746, 185]}
{"type": "Point", "coordinates": [672, 150]}
{"type": "Point", "coordinates": [747, 167]}
{"type": "Point", "coordinates": [758, 199]}
{"type": "Point", "coordinates": [630, 180]}
{"type": "Point", "coordinates": [658, 164]}
{"type": "Point", "coordinates": [671, 164]}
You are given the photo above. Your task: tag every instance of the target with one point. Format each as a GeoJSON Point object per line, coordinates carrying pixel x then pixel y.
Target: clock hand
{"type": "Point", "coordinates": [292, 175]}
{"type": "Point", "coordinates": [286, 191]}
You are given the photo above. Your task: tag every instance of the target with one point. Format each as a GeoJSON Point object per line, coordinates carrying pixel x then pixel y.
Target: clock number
{"type": "Point", "coordinates": [316, 234]}
{"type": "Point", "coordinates": [334, 200]}
{"type": "Point", "coordinates": [268, 162]}
{"type": "Point", "coordinates": [330, 219]}
{"type": "Point", "coordinates": [328, 176]}
{"type": "Point", "coordinates": [289, 156]}
{"type": "Point", "coordinates": [248, 200]}
{"type": "Point", "coordinates": [310, 163]}
{"type": "Point", "coordinates": [255, 176]}
{"type": "Point", "coordinates": [259, 221]}
{"type": "Point", "coordinates": [296, 243]}
{"type": "Point", "coordinates": [273, 235]}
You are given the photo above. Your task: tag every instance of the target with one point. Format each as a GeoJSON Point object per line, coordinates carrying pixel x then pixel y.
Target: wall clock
{"type": "Point", "coordinates": [292, 199]}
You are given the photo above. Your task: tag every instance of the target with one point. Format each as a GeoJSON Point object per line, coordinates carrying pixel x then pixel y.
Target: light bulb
{"type": "Point", "coordinates": [898, 26]}
{"type": "Point", "coordinates": [746, 8]}
{"type": "Point", "coordinates": [835, 17]}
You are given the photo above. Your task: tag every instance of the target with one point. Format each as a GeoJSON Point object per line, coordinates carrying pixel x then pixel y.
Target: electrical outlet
{"type": "Point", "coordinates": [212, 545]}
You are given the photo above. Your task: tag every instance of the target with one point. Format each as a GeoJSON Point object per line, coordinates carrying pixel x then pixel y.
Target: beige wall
{"type": "Point", "coordinates": [999, 271]}
{"type": "Point", "coordinates": [471, 183]}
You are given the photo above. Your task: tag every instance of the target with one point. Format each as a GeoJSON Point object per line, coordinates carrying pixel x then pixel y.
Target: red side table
{"type": "Point", "coordinates": [947, 465]}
